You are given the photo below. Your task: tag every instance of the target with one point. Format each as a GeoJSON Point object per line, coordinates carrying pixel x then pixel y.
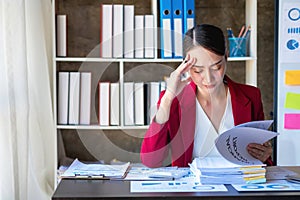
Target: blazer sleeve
{"type": "Point", "coordinates": [259, 111]}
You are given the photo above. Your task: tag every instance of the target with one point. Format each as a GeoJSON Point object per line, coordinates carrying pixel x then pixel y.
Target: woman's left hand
{"type": "Point", "coordinates": [260, 151]}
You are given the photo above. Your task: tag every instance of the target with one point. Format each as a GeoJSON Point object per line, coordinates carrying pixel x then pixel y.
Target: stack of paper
{"type": "Point", "coordinates": [235, 165]}
{"type": "Point", "coordinates": [217, 170]}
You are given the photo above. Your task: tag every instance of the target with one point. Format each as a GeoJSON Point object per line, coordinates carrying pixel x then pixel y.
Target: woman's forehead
{"type": "Point", "coordinates": [204, 57]}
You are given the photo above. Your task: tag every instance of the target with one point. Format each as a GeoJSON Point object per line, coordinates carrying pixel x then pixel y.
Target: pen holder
{"type": "Point", "coordinates": [237, 47]}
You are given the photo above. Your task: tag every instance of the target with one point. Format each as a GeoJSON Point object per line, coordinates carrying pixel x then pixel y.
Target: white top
{"type": "Point", "coordinates": [206, 134]}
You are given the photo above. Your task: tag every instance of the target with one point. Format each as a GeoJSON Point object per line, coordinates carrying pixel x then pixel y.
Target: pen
{"type": "Point", "coordinates": [241, 32]}
{"type": "Point", "coordinates": [246, 31]}
{"type": "Point", "coordinates": [230, 33]}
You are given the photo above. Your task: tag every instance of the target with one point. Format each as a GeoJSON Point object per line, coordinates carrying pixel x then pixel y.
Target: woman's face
{"type": "Point", "coordinates": [209, 69]}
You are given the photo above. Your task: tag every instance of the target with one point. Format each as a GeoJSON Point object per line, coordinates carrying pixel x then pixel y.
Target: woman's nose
{"type": "Point", "coordinates": [207, 76]}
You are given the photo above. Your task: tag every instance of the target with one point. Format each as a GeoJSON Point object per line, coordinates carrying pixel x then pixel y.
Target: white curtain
{"type": "Point", "coordinates": [27, 133]}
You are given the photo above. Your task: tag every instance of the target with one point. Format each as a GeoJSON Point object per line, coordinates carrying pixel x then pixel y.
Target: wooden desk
{"type": "Point", "coordinates": [105, 189]}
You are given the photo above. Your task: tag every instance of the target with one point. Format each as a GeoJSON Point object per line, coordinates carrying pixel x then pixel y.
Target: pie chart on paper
{"type": "Point", "coordinates": [292, 44]}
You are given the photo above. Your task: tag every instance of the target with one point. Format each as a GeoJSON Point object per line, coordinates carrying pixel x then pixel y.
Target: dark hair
{"type": "Point", "coordinates": [208, 36]}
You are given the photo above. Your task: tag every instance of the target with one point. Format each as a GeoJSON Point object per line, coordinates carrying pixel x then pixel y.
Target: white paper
{"type": "Point", "coordinates": [161, 173]}
{"type": "Point", "coordinates": [278, 185]}
{"type": "Point", "coordinates": [232, 144]}
{"type": "Point", "coordinates": [188, 184]}
{"type": "Point", "coordinates": [263, 124]}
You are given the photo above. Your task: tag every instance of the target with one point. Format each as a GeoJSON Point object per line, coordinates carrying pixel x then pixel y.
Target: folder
{"type": "Point", "coordinates": [85, 98]}
{"type": "Point", "coordinates": [61, 35]}
{"type": "Point", "coordinates": [115, 104]}
{"type": "Point", "coordinates": [139, 36]}
{"type": "Point", "coordinates": [63, 97]}
{"type": "Point", "coordinates": [104, 93]}
{"type": "Point", "coordinates": [106, 31]}
{"type": "Point", "coordinates": [149, 36]}
{"type": "Point", "coordinates": [165, 28]}
{"type": "Point", "coordinates": [128, 104]}
{"type": "Point", "coordinates": [128, 31]}
{"type": "Point", "coordinates": [177, 24]}
{"type": "Point", "coordinates": [139, 103]}
{"type": "Point", "coordinates": [117, 30]}
{"type": "Point", "coordinates": [188, 15]}
{"type": "Point", "coordinates": [74, 97]}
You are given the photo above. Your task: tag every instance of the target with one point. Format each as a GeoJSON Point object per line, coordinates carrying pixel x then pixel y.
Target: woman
{"type": "Point", "coordinates": [192, 112]}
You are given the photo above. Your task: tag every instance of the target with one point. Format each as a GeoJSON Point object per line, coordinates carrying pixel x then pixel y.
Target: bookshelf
{"type": "Point", "coordinates": [83, 49]}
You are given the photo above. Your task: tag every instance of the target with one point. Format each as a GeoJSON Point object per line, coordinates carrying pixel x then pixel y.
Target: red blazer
{"type": "Point", "coordinates": [177, 134]}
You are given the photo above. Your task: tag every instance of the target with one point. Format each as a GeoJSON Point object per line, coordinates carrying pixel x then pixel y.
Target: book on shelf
{"type": "Point", "coordinates": [139, 36]}
{"type": "Point", "coordinates": [177, 28]}
{"type": "Point", "coordinates": [188, 15]}
{"type": "Point", "coordinates": [165, 28]}
{"type": "Point", "coordinates": [104, 95]}
{"type": "Point", "coordinates": [154, 97]}
{"type": "Point", "coordinates": [85, 98]}
{"type": "Point", "coordinates": [106, 33]}
{"type": "Point", "coordinates": [149, 36]}
{"type": "Point", "coordinates": [128, 103]}
{"type": "Point", "coordinates": [128, 31]}
{"type": "Point", "coordinates": [61, 35]}
{"type": "Point", "coordinates": [139, 103]}
{"type": "Point", "coordinates": [176, 17]}
{"type": "Point", "coordinates": [147, 103]}
{"type": "Point", "coordinates": [63, 98]}
{"type": "Point", "coordinates": [74, 98]}
{"type": "Point", "coordinates": [115, 104]}
{"type": "Point", "coordinates": [118, 30]}
{"type": "Point", "coordinates": [235, 165]}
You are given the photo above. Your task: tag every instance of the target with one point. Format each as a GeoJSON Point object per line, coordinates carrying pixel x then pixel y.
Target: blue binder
{"type": "Point", "coordinates": [177, 25]}
{"type": "Point", "coordinates": [166, 27]}
{"type": "Point", "coordinates": [188, 14]}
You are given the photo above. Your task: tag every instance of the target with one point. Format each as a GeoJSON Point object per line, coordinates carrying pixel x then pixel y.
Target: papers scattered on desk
{"type": "Point", "coordinates": [217, 170]}
{"type": "Point", "coordinates": [161, 173]}
{"type": "Point", "coordinates": [95, 171]}
{"type": "Point", "coordinates": [186, 184]}
{"type": "Point", "coordinates": [232, 143]}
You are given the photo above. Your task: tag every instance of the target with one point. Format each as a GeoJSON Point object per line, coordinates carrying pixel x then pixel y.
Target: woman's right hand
{"type": "Point", "coordinates": [174, 86]}
{"type": "Point", "coordinates": [175, 83]}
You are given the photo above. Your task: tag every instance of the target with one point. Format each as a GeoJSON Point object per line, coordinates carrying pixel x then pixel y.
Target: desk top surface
{"type": "Point", "coordinates": [107, 189]}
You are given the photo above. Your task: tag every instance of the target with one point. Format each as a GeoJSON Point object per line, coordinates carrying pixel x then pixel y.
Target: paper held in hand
{"type": "Point", "coordinates": [232, 144]}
